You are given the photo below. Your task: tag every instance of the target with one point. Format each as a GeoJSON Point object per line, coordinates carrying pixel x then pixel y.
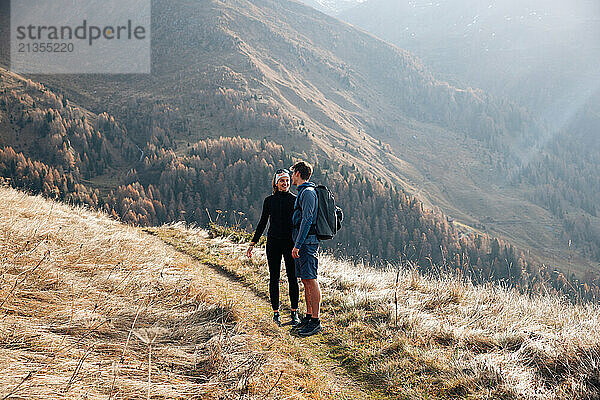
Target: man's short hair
{"type": "Point", "coordinates": [304, 168]}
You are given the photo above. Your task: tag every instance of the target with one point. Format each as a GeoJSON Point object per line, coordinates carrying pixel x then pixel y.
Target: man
{"type": "Point", "coordinates": [306, 245]}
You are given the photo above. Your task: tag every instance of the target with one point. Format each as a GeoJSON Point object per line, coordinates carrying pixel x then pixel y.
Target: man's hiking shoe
{"type": "Point", "coordinates": [311, 328]}
{"type": "Point", "coordinates": [302, 324]}
{"type": "Point", "coordinates": [276, 319]}
{"type": "Point", "coordinates": [295, 318]}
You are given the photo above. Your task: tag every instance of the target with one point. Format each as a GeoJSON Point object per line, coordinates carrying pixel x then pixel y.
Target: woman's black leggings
{"type": "Point", "coordinates": [275, 249]}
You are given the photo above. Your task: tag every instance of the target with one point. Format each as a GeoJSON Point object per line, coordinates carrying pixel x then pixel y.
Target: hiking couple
{"type": "Point", "coordinates": [292, 234]}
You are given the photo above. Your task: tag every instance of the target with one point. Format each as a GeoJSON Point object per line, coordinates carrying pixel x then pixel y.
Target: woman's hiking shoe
{"type": "Point", "coordinates": [311, 328]}
{"type": "Point", "coordinates": [295, 318]}
{"type": "Point", "coordinates": [276, 319]}
{"type": "Point", "coordinates": [302, 323]}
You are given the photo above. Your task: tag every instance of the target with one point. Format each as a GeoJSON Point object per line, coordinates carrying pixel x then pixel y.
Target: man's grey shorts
{"type": "Point", "coordinates": [308, 263]}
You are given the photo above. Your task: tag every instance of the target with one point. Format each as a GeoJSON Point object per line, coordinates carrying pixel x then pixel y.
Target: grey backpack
{"type": "Point", "coordinates": [329, 216]}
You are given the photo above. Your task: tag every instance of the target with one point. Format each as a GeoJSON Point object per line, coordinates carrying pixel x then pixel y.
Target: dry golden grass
{"type": "Point", "coordinates": [491, 341]}
{"type": "Point", "coordinates": [326, 379]}
{"type": "Point", "coordinates": [91, 308]}
{"type": "Point", "coordinates": [440, 337]}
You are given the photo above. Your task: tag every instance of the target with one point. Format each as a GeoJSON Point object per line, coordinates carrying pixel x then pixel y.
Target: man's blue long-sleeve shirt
{"type": "Point", "coordinates": [305, 214]}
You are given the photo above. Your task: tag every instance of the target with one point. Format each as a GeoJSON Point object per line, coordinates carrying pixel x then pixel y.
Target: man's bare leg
{"type": "Point", "coordinates": [311, 286]}
{"type": "Point", "coordinates": [307, 296]}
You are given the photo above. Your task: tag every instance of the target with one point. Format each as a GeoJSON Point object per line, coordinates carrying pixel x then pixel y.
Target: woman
{"type": "Point", "coordinates": [279, 208]}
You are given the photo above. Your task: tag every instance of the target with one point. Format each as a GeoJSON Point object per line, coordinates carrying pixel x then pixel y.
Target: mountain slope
{"type": "Point", "coordinates": [563, 178]}
{"type": "Point", "coordinates": [73, 155]}
{"type": "Point", "coordinates": [540, 54]}
{"type": "Point", "coordinates": [283, 71]}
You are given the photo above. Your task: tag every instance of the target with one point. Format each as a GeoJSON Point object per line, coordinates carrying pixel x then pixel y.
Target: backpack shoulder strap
{"type": "Point", "coordinates": [297, 202]}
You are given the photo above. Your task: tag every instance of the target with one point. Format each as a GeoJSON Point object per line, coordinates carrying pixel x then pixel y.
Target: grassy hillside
{"type": "Point", "coordinates": [412, 336]}
{"type": "Point", "coordinates": [93, 308]}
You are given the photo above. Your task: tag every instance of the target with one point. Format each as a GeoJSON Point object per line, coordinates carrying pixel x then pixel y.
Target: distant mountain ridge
{"type": "Point", "coordinates": [538, 53]}
{"type": "Point", "coordinates": [332, 7]}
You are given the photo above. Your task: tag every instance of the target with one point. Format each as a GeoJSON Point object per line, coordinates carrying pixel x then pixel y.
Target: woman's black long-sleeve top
{"type": "Point", "coordinates": [279, 207]}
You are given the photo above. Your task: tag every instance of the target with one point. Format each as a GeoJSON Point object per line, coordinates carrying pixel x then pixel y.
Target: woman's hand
{"type": "Point", "coordinates": [249, 251]}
